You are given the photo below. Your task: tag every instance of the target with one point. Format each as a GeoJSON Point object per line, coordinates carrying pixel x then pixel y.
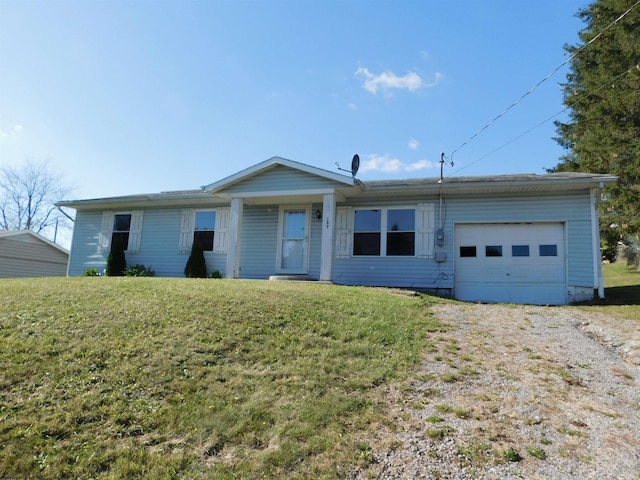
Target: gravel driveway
{"type": "Point", "coordinates": [516, 392]}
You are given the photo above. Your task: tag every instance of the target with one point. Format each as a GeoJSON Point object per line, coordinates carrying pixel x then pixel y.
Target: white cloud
{"type": "Point", "coordinates": [380, 163]}
{"type": "Point", "coordinates": [419, 165]}
{"type": "Point", "coordinates": [352, 106]}
{"type": "Point", "coordinates": [14, 131]}
{"type": "Point", "coordinates": [414, 144]}
{"type": "Point", "coordinates": [388, 164]}
{"type": "Point", "coordinates": [388, 81]}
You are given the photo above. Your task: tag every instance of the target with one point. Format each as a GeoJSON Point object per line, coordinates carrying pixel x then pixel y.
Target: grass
{"type": "Point", "coordinates": [175, 378]}
{"type": "Point", "coordinates": [112, 378]}
{"type": "Point", "coordinates": [622, 292]}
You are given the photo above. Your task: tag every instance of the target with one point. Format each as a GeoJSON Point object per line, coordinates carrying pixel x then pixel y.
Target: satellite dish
{"type": "Point", "coordinates": [355, 165]}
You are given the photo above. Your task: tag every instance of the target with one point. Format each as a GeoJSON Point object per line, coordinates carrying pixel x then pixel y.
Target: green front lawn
{"type": "Point", "coordinates": [175, 378]}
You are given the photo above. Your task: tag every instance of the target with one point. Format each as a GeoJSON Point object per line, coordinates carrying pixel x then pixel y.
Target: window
{"type": "Point", "coordinates": [207, 228]}
{"type": "Point", "coordinates": [401, 238]}
{"type": "Point", "coordinates": [399, 232]}
{"type": "Point", "coordinates": [121, 229]}
{"type": "Point", "coordinates": [204, 229]}
{"type": "Point", "coordinates": [366, 237]}
{"type": "Point", "coordinates": [493, 251]}
{"type": "Point", "coordinates": [548, 250]}
{"type": "Point", "coordinates": [467, 252]}
{"type": "Point", "coordinates": [520, 250]}
{"type": "Point", "coordinates": [393, 231]}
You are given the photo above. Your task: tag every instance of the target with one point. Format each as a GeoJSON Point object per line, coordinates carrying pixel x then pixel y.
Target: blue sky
{"type": "Point", "coordinates": [148, 96]}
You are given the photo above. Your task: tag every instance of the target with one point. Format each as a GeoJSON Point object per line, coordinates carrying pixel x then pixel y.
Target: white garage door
{"type": "Point", "coordinates": [511, 263]}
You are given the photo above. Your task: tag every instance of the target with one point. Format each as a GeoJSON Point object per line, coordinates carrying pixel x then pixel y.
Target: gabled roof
{"type": "Point", "coordinates": [272, 163]}
{"type": "Point", "coordinates": [31, 233]}
{"type": "Point", "coordinates": [220, 192]}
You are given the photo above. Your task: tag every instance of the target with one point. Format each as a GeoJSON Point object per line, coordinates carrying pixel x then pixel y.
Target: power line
{"type": "Point", "coordinates": [532, 89]}
{"type": "Point", "coordinates": [577, 100]}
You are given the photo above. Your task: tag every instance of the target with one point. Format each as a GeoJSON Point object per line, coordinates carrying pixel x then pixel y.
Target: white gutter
{"type": "Point", "coordinates": [598, 280]}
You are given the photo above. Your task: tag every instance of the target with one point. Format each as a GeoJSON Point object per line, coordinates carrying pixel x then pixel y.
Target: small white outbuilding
{"type": "Point", "coordinates": [24, 253]}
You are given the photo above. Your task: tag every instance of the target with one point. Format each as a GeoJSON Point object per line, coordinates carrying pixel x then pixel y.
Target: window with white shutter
{"type": "Point", "coordinates": [121, 230]}
{"type": "Point", "coordinates": [106, 230]}
{"type": "Point", "coordinates": [344, 232]}
{"type": "Point", "coordinates": [187, 224]}
{"type": "Point", "coordinates": [221, 239]}
{"type": "Point", "coordinates": [207, 228]}
{"type": "Point", "coordinates": [425, 230]}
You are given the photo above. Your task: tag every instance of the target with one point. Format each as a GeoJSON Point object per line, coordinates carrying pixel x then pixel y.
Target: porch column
{"type": "Point", "coordinates": [328, 235]}
{"type": "Point", "coordinates": [235, 230]}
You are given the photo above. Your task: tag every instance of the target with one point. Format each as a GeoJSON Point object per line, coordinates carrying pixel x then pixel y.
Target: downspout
{"type": "Point", "coordinates": [595, 240]}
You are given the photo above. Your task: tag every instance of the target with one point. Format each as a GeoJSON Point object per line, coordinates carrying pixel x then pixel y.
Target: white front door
{"type": "Point", "coordinates": [293, 241]}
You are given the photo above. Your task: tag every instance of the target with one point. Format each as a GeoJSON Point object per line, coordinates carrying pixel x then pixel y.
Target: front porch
{"type": "Point", "coordinates": [291, 239]}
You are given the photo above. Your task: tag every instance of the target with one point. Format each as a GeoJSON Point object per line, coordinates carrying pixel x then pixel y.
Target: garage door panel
{"type": "Point", "coordinates": [533, 272]}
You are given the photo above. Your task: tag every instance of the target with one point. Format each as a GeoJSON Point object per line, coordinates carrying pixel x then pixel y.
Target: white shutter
{"type": "Point", "coordinates": [104, 238]}
{"type": "Point", "coordinates": [344, 232]}
{"type": "Point", "coordinates": [187, 225]}
{"type": "Point", "coordinates": [221, 235]}
{"type": "Point", "coordinates": [135, 231]}
{"type": "Point", "coordinates": [425, 230]}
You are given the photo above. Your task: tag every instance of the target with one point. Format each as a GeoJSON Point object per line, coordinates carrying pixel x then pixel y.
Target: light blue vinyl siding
{"type": "Point", "coordinates": [572, 209]}
{"type": "Point", "coordinates": [400, 271]}
{"type": "Point", "coordinates": [411, 272]}
{"type": "Point", "coordinates": [316, 242]}
{"type": "Point", "coordinates": [281, 178]}
{"type": "Point", "coordinates": [84, 244]}
{"type": "Point", "coordinates": [258, 245]}
{"type": "Point", "coordinates": [158, 247]}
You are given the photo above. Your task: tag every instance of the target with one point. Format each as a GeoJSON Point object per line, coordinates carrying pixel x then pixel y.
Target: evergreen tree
{"type": "Point", "coordinates": [116, 262]}
{"type": "Point", "coordinates": [196, 265]}
{"type": "Point", "coordinates": [603, 95]}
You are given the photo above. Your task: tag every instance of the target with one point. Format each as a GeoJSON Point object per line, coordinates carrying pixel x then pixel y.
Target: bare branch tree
{"type": "Point", "coordinates": [28, 195]}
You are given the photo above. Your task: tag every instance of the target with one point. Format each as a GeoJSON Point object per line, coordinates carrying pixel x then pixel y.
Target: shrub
{"type": "Point", "coordinates": [140, 271]}
{"type": "Point", "coordinates": [215, 274]}
{"type": "Point", "coordinates": [116, 263]}
{"type": "Point", "coordinates": [90, 272]}
{"type": "Point", "coordinates": [196, 265]}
